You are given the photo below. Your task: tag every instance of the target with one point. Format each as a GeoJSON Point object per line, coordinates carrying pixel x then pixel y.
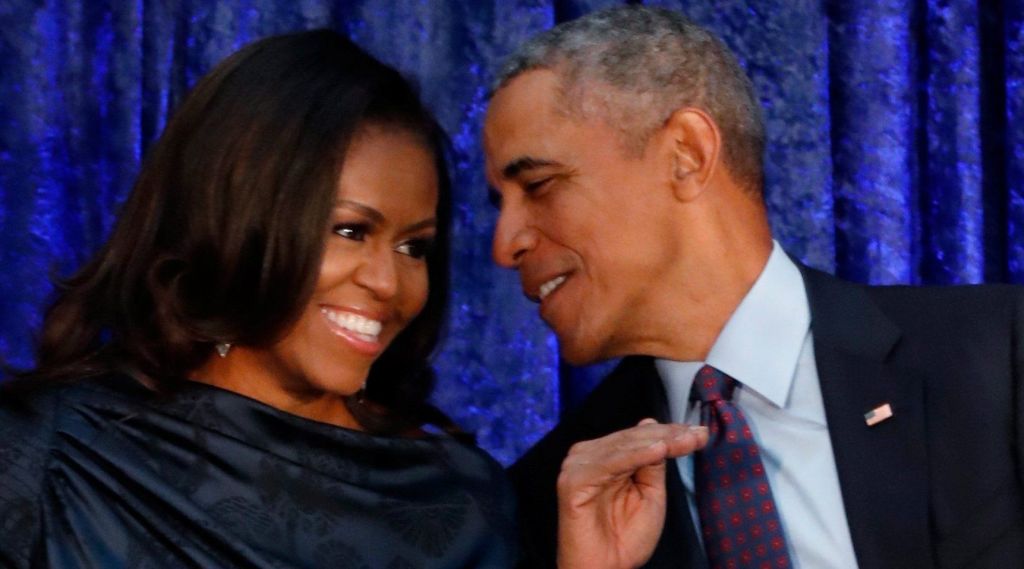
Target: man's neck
{"type": "Point", "coordinates": [683, 321]}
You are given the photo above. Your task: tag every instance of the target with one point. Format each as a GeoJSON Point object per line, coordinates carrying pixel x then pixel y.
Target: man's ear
{"type": "Point", "coordinates": [695, 147]}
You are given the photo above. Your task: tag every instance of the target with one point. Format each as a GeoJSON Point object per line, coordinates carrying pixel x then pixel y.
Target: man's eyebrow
{"type": "Point", "coordinates": [515, 167]}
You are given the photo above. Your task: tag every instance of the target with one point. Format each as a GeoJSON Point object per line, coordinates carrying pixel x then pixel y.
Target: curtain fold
{"type": "Point", "coordinates": [1014, 138]}
{"type": "Point", "coordinates": [874, 146]}
{"type": "Point", "coordinates": [951, 201]}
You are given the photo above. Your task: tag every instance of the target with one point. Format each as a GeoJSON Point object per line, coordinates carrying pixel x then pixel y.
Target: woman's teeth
{"type": "Point", "coordinates": [363, 327]}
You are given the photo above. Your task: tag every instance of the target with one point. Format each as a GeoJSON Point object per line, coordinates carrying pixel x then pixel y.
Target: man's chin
{"type": "Point", "coordinates": [577, 347]}
{"type": "Point", "coordinates": [579, 353]}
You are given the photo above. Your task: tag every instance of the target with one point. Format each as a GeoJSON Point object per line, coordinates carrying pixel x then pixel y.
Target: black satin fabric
{"type": "Point", "coordinates": [104, 473]}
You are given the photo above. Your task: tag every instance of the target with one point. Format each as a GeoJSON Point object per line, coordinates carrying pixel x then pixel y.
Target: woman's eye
{"type": "Point", "coordinates": [353, 231]}
{"type": "Point", "coordinates": [416, 248]}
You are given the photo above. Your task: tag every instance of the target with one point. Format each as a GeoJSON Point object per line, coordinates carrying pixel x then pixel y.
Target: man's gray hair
{"type": "Point", "coordinates": [656, 62]}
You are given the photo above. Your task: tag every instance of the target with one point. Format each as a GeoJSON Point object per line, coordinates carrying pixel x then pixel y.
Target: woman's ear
{"type": "Point", "coordinates": [696, 144]}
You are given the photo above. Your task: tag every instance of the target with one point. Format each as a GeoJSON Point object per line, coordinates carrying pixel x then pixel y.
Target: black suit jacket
{"type": "Point", "coordinates": [937, 485]}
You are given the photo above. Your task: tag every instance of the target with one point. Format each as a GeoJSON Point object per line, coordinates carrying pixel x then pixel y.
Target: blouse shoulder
{"type": "Point", "coordinates": [28, 423]}
{"type": "Point", "coordinates": [474, 462]}
{"type": "Point", "coordinates": [486, 478]}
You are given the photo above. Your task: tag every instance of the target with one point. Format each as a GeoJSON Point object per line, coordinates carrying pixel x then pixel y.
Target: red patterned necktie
{"type": "Point", "coordinates": [739, 521]}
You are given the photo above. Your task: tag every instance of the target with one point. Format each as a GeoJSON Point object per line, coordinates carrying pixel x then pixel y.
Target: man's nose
{"type": "Point", "coordinates": [513, 237]}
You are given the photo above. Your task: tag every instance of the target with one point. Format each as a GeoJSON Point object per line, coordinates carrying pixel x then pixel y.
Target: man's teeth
{"type": "Point", "coordinates": [365, 328]}
{"type": "Point", "coordinates": [548, 287]}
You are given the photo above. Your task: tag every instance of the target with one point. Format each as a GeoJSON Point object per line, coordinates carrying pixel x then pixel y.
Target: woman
{"type": "Point", "coordinates": [238, 378]}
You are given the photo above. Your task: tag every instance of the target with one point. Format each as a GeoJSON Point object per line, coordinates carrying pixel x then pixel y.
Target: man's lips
{"type": "Point", "coordinates": [550, 286]}
{"type": "Point", "coordinates": [546, 287]}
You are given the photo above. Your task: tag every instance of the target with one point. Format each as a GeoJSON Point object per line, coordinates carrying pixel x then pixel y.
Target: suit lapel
{"type": "Point", "coordinates": [882, 469]}
{"type": "Point", "coordinates": [678, 546]}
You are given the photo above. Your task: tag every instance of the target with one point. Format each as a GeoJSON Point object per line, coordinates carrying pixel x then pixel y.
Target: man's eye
{"type": "Point", "coordinates": [353, 231]}
{"type": "Point", "coordinates": [531, 187]}
{"type": "Point", "coordinates": [416, 248]}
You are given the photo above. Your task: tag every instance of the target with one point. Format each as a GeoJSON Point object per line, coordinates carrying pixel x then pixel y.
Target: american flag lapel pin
{"type": "Point", "coordinates": [878, 414]}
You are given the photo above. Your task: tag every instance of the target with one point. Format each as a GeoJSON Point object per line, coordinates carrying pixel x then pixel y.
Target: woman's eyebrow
{"type": "Point", "coordinates": [425, 224]}
{"type": "Point", "coordinates": [378, 217]}
{"type": "Point", "coordinates": [366, 210]}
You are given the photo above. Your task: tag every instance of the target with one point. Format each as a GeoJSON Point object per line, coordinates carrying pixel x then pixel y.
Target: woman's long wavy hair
{"type": "Point", "coordinates": [222, 237]}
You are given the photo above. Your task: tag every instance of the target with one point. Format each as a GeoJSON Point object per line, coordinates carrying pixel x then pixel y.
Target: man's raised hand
{"type": "Point", "coordinates": [611, 494]}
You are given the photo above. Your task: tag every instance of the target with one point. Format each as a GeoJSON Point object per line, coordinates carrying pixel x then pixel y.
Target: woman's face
{"type": "Point", "coordinates": [372, 283]}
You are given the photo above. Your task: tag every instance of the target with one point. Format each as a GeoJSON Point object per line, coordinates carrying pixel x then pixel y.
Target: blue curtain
{"type": "Point", "coordinates": [893, 154]}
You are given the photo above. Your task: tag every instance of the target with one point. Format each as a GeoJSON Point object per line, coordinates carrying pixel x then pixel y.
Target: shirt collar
{"type": "Point", "coordinates": [761, 342]}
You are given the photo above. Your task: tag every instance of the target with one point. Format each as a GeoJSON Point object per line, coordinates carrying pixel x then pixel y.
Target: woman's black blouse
{"type": "Point", "coordinates": [104, 473]}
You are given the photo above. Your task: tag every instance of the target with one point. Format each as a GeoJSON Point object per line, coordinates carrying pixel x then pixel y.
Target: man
{"type": "Point", "coordinates": [883, 425]}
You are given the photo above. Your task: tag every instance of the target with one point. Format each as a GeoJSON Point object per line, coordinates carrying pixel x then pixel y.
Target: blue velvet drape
{"type": "Point", "coordinates": [894, 151]}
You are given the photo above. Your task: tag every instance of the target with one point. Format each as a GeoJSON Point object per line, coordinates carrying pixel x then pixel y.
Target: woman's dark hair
{"type": "Point", "coordinates": [222, 236]}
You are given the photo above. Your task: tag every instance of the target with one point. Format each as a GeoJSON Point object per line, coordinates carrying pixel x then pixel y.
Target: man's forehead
{"type": "Point", "coordinates": [521, 119]}
{"type": "Point", "coordinates": [545, 100]}
{"type": "Point", "coordinates": [534, 93]}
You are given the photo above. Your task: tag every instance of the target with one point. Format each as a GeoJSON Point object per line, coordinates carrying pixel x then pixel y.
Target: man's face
{"type": "Point", "coordinates": [585, 222]}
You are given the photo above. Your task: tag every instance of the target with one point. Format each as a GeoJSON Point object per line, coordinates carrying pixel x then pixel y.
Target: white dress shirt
{"type": "Point", "coordinates": [767, 346]}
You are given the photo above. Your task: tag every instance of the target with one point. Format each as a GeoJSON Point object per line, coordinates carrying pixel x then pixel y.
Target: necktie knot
{"type": "Point", "coordinates": [711, 384]}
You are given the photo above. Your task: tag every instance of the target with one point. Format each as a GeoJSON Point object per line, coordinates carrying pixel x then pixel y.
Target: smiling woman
{"type": "Point", "coordinates": [239, 377]}
{"type": "Point", "coordinates": [372, 283]}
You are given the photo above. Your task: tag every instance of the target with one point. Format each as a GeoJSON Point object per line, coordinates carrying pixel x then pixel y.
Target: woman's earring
{"type": "Point", "coordinates": [222, 349]}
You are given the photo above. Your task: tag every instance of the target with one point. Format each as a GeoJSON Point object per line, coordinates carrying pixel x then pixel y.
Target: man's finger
{"type": "Point", "coordinates": [679, 440]}
{"type": "Point", "coordinates": [599, 464]}
{"type": "Point", "coordinates": [648, 429]}
{"type": "Point", "coordinates": [677, 444]}
{"type": "Point", "coordinates": [651, 477]}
